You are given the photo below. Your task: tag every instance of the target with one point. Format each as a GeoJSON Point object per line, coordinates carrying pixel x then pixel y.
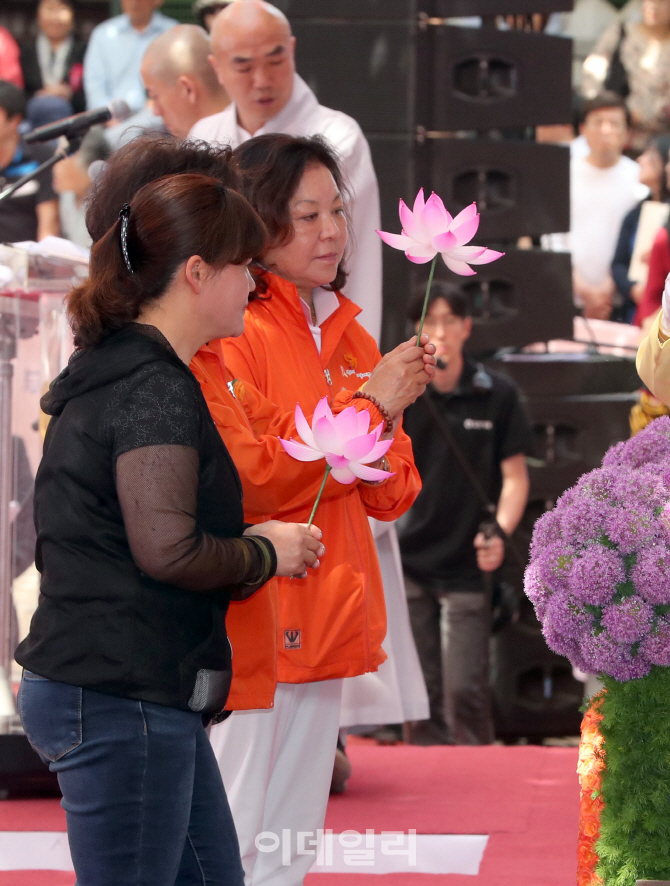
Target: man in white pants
{"type": "Point", "coordinates": [253, 56]}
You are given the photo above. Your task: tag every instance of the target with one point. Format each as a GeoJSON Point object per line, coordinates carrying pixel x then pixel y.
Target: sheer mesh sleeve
{"type": "Point", "coordinates": [157, 488]}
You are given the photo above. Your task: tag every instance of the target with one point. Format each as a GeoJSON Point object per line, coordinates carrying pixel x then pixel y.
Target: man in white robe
{"type": "Point", "coordinates": [253, 56]}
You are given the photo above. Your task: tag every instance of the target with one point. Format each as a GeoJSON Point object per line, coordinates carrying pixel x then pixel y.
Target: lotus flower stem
{"type": "Point", "coordinates": [320, 493]}
{"type": "Point", "coordinates": [425, 301]}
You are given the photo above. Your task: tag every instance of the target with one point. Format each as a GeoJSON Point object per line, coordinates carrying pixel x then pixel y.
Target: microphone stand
{"type": "Point", "coordinates": [70, 147]}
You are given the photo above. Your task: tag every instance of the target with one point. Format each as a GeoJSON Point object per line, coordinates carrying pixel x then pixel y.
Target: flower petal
{"type": "Point", "coordinates": [489, 255]}
{"type": "Point", "coordinates": [465, 232]}
{"type": "Point", "coordinates": [435, 218]}
{"type": "Point", "coordinates": [419, 203]}
{"type": "Point", "coordinates": [397, 241]}
{"type": "Point", "coordinates": [300, 452]}
{"type": "Point", "coordinates": [458, 267]}
{"type": "Point", "coordinates": [322, 410]}
{"type": "Point", "coordinates": [463, 216]}
{"type": "Point", "coordinates": [346, 423]}
{"type": "Point", "coordinates": [358, 448]}
{"type": "Point", "coordinates": [363, 418]}
{"type": "Point", "coordinates": [364, 472]}
{"type": "Point", "coordinates": [337, 461]}
{"type": "Point", "coordinates": [421, 255]}
{"type": "Point", "coordinates": [326, 437]}
{"type": "Point", "coordinates": [303, 428]}
{"type": "Point", "coordinates": [465, 253]}
{"type": "Point", "coordinates": [444, 241]}
{"type": "Point", "coordinates": [411, 225]}
{"type": "Point", "coordinates": [343, 475]}
{"type": "Point", "coordinates": [379, 450]}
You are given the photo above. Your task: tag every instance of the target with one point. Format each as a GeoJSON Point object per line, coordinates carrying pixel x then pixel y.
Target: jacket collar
{"type": "Point", "coordinates": [284, 302]}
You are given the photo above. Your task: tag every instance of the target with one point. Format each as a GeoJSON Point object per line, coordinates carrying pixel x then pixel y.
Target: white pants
{"type": "Point", "coordinates": [277, 767]}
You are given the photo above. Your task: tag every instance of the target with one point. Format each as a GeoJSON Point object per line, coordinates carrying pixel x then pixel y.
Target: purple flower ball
{"type": "Point", "coordinates": [553, 566]}
{"type": "Point", "coordinates": [656, 646]}
{"type": "Point", "coordinates": [562, 645]}
{"type": "Point", "coordinates": [615, 455]}
{"type": "Point", "coordinates": [651, 574]}
{"type": "Point", "coordinates": [595, 573]}
{"type": "Point", "coordinates": [536, 590]}
{"type": "Point", "coordinates": [632, 528]}
{"type": "Point", "coordinates": [629, 620]}
{"type": "Point", "coordinates": [651, 486]}
{"type": "Point", "coordinates": [547, 531]}
{"type": "Point", "coordinates": [567, 615]}
{"type": "Point", "coordinates": [600, 484]}
{"type": "Point", "coordinates": [630, 668]}
{"type": "Point", "coordinates": [601, 653]}
{"type": "Point", "coordinates": [650, 446]}
{"type": "Point", "coordinates": [584, 521]}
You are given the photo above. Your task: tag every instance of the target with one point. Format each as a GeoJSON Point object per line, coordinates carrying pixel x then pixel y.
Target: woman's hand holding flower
{"type": "Point", "coordinates": [401, 375]}
{"type": "Point", "coordinates": [297, 546]}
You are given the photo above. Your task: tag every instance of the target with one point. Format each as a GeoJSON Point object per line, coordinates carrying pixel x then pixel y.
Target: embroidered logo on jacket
{"type": "Point", "coordinates": [291, 639]}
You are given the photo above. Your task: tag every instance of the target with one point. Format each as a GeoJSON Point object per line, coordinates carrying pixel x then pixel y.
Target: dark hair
{"type": "Point", "coordinates": [604, 100]}
{"type": "Point", "coordinates": [454, 297]}
{"type": "Point", "coordinates": [203, 8]}
{"type": "Point", "coordinates": [69, 3]}
{"type": "Point", "coordinates": [169, 221]}
{"type": "Point", "coordinates": [270, 168]}
{"type": "Point", "coordinates": [12, 99]}
{"type": "Point", "coordinates": [143, 160]}
{"type": "Point", "coordinates": [661, 144]}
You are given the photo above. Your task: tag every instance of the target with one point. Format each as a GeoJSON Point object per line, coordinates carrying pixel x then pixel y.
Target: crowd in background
{"type": "Point", "coordinates": [622, 53]}
{"type": "Point", "coordinates": [169, 78]}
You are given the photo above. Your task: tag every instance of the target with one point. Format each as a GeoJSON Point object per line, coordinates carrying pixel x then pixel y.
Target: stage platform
{"type": "Point", "coordinates": [493, 816]}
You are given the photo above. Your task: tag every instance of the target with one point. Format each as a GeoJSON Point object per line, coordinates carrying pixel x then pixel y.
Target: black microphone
{"type": "Point", "coordinates": [78, 124]}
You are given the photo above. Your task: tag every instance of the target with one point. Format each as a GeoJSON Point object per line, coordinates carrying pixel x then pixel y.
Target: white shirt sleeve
{"type": "Point", "coordinates": [364, 250]}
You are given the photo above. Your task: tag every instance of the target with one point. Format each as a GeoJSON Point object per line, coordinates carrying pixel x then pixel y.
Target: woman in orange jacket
{"type": "Point", "coordinates": [249, 423]}
{"type": "Point", "coordinates": [302, 342]}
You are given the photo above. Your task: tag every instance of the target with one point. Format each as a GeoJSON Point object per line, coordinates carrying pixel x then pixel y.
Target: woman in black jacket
{"type": "Point", "coordinates": [141, 545]}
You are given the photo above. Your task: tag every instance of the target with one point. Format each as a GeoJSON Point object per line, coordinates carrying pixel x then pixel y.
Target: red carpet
{"type": "Point", "coordinates": [525, 798]}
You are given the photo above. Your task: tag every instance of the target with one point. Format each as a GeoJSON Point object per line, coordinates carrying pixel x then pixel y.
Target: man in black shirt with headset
{"type": "Point", "coordinates": [446, 555]}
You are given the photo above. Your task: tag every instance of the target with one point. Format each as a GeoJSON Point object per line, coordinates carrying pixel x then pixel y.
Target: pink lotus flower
{"type": "Point", "coordinates": [428, 229]}
{"type": "Point", "coordinates": [343, 440]}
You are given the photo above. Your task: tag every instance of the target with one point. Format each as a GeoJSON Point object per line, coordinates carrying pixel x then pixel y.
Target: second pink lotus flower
{"type": "Point", "coordinates": [341, 439]}
{"type": "Point", "coordinates": [428, 228]}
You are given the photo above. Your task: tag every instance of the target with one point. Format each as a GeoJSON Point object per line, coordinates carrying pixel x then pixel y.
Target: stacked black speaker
{"type": "Point", "coordinates": [453, 109]}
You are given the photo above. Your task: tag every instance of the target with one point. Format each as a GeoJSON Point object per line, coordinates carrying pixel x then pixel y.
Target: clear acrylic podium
{"type": "Point", "coordinates": [35, 344]}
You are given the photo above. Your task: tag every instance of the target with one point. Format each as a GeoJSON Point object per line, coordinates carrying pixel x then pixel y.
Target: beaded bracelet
{"type": "Point", "coordinates": [388, 421]}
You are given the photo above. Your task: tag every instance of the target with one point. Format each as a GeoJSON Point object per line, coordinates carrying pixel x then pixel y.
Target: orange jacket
{"type": "Point", "coordinates": [332, 623]}
{"type": "Point", "coordinates": [250, 426]}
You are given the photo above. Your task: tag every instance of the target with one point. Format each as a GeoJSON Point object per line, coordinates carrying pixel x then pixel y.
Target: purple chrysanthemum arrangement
{"type": "Point", "coordinates": [599, 571]}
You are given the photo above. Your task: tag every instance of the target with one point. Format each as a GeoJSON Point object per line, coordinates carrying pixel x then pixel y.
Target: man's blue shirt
{"type": "Point", "coordinates": [113, 58]}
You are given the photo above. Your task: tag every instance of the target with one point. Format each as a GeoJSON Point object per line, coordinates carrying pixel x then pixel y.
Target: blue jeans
{"type": "Point", "coordinates": [142, 791]}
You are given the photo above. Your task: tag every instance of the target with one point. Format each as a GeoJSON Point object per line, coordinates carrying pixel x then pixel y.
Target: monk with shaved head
{"type": "Point", "coordinates": [180, 82]}
{"type": "Point", "coordinates": [253, 56]}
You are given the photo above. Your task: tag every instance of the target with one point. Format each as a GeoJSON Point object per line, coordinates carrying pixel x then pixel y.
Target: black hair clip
{"type": "Point", "coordinates": [124, 215]}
